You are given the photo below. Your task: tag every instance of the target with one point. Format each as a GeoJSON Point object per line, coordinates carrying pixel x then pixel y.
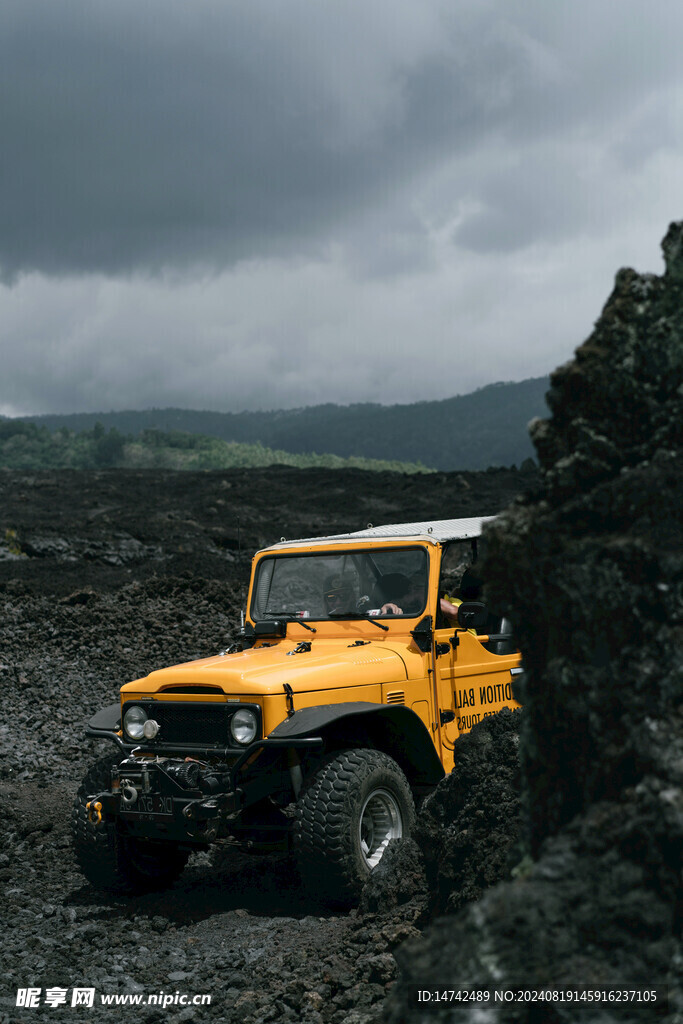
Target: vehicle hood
{"type": "Point", "coordinates": [263, 670]}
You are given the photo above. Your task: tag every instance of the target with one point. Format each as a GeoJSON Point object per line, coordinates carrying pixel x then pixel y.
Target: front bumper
{"type": "Point", "coordinates": [188, 800]}
{"type": "Point", "coordinates": [146, 799]}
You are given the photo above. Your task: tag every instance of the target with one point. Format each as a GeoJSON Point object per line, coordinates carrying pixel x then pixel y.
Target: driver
{"type": "Point", "coordinates": [339, 594]}
{"type": "Point", "coordinates": [400, 592]}
{"type": "Point", "coordinates": [410, 601]}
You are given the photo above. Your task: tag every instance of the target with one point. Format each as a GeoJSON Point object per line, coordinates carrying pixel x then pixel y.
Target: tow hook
{"type": "Point", "coordinates": [94, 810]}
{"type": "Point", "coordinates": [129, 793]}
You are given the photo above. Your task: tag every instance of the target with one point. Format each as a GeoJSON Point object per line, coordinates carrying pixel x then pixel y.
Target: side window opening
{"type": "Point", "coordinates": [456, 558]}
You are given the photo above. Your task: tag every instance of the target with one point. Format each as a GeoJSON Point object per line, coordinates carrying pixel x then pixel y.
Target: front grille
{"type": "Point", "coordinates": [184, 722]}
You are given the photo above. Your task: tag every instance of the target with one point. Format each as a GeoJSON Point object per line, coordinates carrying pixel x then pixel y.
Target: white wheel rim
{"type": "Point", "coordinates": [380, 821]}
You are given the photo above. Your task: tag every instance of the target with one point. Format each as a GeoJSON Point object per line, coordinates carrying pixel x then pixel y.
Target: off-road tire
{"type": "Point", "coordinates": [112, 861]}
{"type": "Point", "coordinates": [327, 825]}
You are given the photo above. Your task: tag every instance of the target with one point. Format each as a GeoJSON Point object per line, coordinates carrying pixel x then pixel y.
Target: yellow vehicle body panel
{"type": "Point", "coordinates": [329, 665]}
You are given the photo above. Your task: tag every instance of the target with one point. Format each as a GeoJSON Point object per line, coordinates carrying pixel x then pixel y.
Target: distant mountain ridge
{"type": "Point", "coordinates": [487, 427]}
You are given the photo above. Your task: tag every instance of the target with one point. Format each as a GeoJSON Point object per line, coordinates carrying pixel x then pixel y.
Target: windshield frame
{"type": "Point", "coordinates": [366, 552]}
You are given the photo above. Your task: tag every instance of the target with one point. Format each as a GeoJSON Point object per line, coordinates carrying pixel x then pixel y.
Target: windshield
{"type": "Point", "coordinates": [380, 582]}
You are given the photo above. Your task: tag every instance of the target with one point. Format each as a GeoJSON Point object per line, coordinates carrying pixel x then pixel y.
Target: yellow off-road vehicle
{"type": "Point", "coordinates": [361, 659]}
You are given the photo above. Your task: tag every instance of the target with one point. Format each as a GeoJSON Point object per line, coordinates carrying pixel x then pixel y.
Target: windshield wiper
{"type": "Point", "coordinates": [358, 615]}
{"type": "Point", "coordinates": [293, 617]}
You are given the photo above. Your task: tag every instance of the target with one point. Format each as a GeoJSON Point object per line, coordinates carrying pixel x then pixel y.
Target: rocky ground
{"type": "Point", "coordinates": [103, 577]}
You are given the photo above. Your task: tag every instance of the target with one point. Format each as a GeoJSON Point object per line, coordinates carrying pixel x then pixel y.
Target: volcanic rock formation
{"type": "Point", "coordinates": [590, 570]}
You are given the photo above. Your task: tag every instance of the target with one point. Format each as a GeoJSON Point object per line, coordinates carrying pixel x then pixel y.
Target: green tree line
{"type": "Point", "coordinates": [25, 445]}
{"type": "Point", "coordinates": [485, 428]}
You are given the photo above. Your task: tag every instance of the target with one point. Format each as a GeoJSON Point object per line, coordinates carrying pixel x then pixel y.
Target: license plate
{"type": "Point", "coordinates": [151, 805]}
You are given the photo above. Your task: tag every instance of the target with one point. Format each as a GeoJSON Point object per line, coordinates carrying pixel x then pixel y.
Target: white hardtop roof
{"type": "Point", "coordinates": [435, 530]}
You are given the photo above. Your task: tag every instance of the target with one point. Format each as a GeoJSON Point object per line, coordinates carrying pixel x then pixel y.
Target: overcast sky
{"type": "Point", "coordinates": [243, 204]}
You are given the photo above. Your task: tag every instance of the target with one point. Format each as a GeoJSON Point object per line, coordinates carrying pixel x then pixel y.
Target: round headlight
{"type": "Point", "coordinates": [243, 726]}
{"type": "Point", "coordinates": [134, 722]}
{"type": "Point", "coordinates": [150, 729]}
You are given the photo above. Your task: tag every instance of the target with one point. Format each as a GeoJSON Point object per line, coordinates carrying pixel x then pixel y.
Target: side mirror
{"type": "Point", "coordinates": [270, 628]}
{"type": "Point", "coordinates": [472, 615]}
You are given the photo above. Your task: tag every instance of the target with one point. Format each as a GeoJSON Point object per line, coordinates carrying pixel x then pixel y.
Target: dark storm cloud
{"type": "Point", "coordinates": [140, 136]}
{"type": "Point", "coordinates": [161, 133]}
{"type": "Point", "coordinates": [229, 204]}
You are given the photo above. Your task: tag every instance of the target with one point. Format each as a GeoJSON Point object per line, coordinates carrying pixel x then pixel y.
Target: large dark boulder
{"type": "Point", "coordinates": [590, 570]}
{"type": "Point", "coordinates": [469, 827]}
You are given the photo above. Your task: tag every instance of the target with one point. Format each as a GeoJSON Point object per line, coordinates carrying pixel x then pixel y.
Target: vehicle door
{"type": "Point", "coordinates": [471, 683]}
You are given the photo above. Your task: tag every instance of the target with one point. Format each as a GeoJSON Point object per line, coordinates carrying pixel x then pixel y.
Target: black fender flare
{"type": "Point", "coordinates": [107, 718]}
{"type": "Point", "coordinates": [105, 725]}
{"type": "Point", "coordinates": [393, 728]}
